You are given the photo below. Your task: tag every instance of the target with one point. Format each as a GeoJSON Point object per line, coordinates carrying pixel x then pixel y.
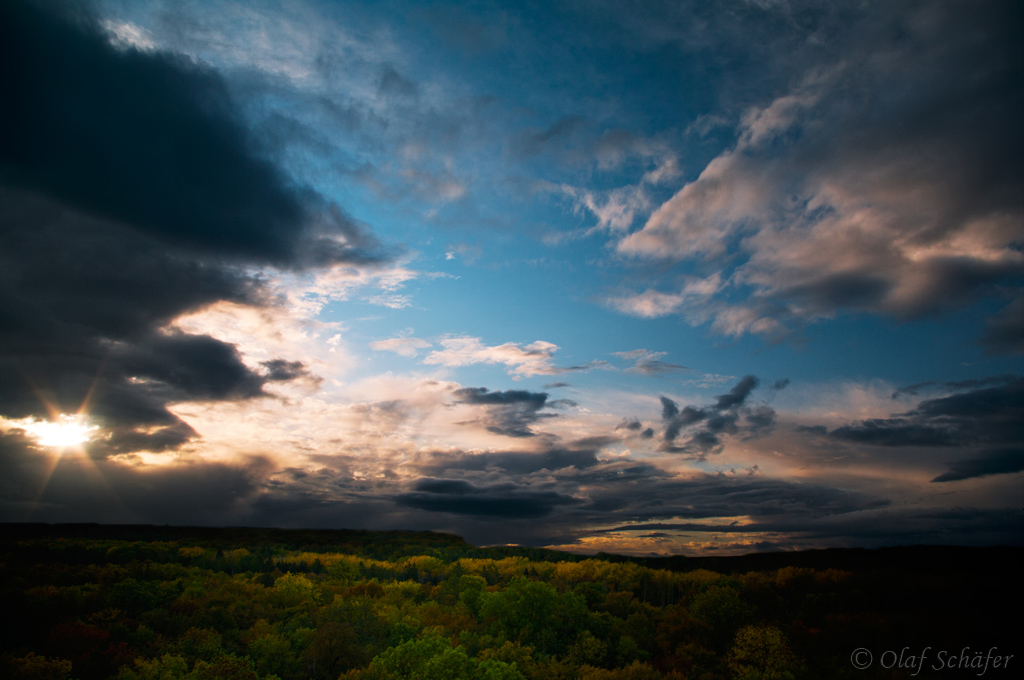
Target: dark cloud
{"type": "Point", "coordinates": [189, 367]}
{"type": "Point", "coordinates": [973, 383]}
{"type": "Point", "coordinates": [467, 493]}
{"type": "Point", "coordinates": [83, 300]}
{"type": "Point", "coordinates": [956, 385]}
{"type": "Point", "coordinates": [706, 425]}
{"type": "Point", "coordinates": [841, 290]}
{"type": "Point", "coordinates": [280, 370]}
{"type": "Point", "coordinates": [985, 424]}
{"type": "Point", "coordinates": [629, 424]}
{"type": "Point", "coordinates": [646, 362]}
{"type": "Point", "coordinates": [669, 408]}
{"type": "Point", "coordinates": [895, 432]}
{"type": "Point", "coordinates": [982, 416]}
{"type": "Point", "coordinates": [582, 368]}
{"type": "Point", "coordinates": [996, 462]}
{"type": "Point", "coordinates": [481, 395]}
{"type": "Point", "coordinates": [912, 390]}
{"type": "Point", "coordinates": [660, 497]}
{"type": "Point", "coordinates": [455, 487]}
{"type": "Point", "coordinates": [504, 501]}
{"type": "Point", "coordinates": [151, 140]}
{"type": "Point", "coordinates": [510, 412]}
{"type": "Point", "coordinates": [132, 192]}
{"type": "Point", "coordinates": [981, 409]}
{"type": "Point", "coordinates": [738, 394]}
{"type": "Point", "coordinates": [579, 456]}
{"type": "Point", "coordinates": [655, 367]}
{"type": "Point", "coordinates": [126, 387]}
{"type": "Point", "coordinates": [760, 418]}
{"type": "Point", "coordinates": [80, 489]}
{"type": "Point", "coordinates": [65, 272]}
{"type": "Point", "coordinates": [688, 416]}
{"type": "Point", "coordinates": [154, 436]}
{"type": "Point", "coordinates": [1004, 333]}
{"type": "Point", "coordinates": [573, 498]}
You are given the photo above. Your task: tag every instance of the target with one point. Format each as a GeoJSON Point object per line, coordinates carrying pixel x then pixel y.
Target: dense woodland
{"type": "Point", "coordinates": [157, 603]}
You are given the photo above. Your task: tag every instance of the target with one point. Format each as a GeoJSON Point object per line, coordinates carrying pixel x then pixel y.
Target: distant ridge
{"type": "Point", "coordinates": [927, 558]}
{"type": "Point", "coordinates": [390, 544]}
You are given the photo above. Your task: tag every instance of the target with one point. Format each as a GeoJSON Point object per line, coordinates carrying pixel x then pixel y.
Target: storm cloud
{"type": "Point", "coordinates": [132, 192]}
{"type": "Point", "coordinates": [154, 141]}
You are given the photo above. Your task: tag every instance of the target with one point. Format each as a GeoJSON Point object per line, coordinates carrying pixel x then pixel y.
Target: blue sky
{"type": "Point", "coordinates": [647, 277]}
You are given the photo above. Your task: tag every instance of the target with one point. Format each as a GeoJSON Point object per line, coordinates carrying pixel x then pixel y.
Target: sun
{"type": "Point", "coordinates": [63, 432]}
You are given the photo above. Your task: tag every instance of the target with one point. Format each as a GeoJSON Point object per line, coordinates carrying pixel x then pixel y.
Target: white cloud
{"type": "Point", "coordinates": [650, 304]}
{"type": "Point", "coordinates": [406, 347]}
{"type": "Point", "coordinates": [646, 362]}
{"type": "Point", "coordinates": [291, 326]}
{"type": "Point", "coordinates": [125, 35]}
{"type": "Point", "coordinates": [616, 209]}
{"type": "Point", "coordinates": [268, 333]}
{"type": "Point", "coordinates": [835, 198]}
{"type": "Point", "coordinates": [392, 301]}
{"type": "Point", "coordinates": [521, 360]}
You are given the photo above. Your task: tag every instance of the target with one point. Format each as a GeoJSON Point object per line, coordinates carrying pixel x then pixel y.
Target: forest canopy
{"type": "Point", "coordinates": [158, 603]}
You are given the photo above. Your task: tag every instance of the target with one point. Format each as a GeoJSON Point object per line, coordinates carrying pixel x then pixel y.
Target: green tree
{"type": "Point", "coordinates": [587, 649]}
{"type": "Point", "coordinates": [492, 669]}
{"type": "Point", "coordinates": [471, 588]}
{"type": "Point", "coordinates": [762, 653]}
{"type": "Point", "coordinates": [434, 659]}
{"type": "Point", "coordinates": [200, 643]}
{"type": "Point", "coordinates": [273, 655]}
{"type": "Point", "coordinates": [535, 614]}
{"type": "Point", "coordinates": [224, 667]}
{"type": "Point", "coordinates": [167, 667]}
{"type": "Point", "coordinates": [293, 590]}
{"type": "Point", "coordinates": [722, 610]}
{"type": "Point", "coordinates": [634, 671]}
{"type": "Point", "coordinates": [407, 660]}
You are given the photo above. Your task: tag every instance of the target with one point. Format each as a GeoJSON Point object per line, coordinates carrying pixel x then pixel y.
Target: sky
{"type": "Point", "coordinates": [638, 277]}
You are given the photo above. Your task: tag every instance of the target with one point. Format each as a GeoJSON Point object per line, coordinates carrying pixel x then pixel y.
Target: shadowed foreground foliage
{"type": "Point", "coordinates": [160, 603]}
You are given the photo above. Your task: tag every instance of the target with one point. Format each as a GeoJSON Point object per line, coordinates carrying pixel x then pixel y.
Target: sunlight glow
{"type": "Point", "coordinates": [62, 433]}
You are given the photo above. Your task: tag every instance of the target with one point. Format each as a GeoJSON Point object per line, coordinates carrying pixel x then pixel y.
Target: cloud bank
{"type": "Point", "coordinates": [872, 184]}
{"type": "Point", "coordinates": [133, 193]}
